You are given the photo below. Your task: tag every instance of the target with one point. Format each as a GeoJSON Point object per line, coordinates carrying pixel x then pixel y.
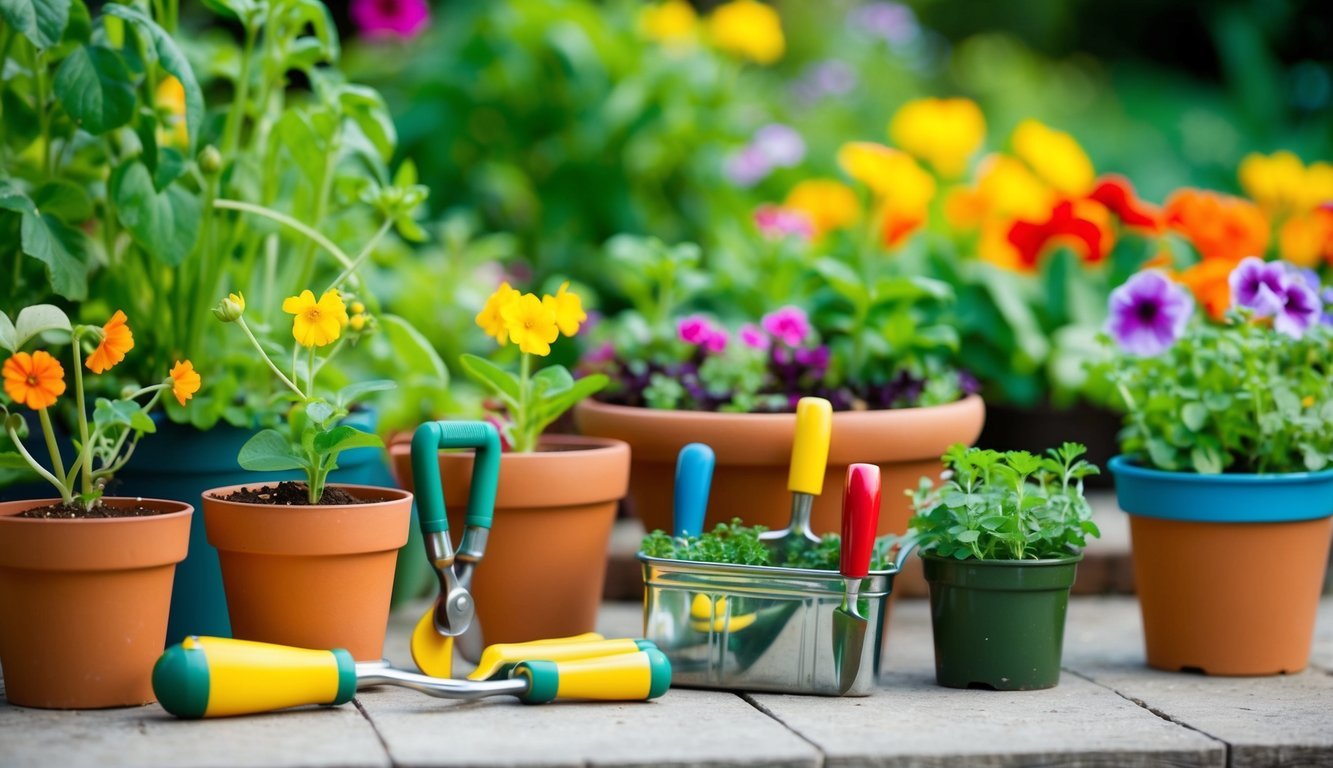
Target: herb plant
{"type": "Point", "coordinates": [1006, 505]}
{"type": "Point", "coordinates": [739, 544]}
{"type": "Point", "coordinates": [1251, 393]}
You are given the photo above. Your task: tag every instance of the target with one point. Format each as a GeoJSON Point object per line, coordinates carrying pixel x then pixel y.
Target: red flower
{"type": "Point", "coordinates": [1117, 194]}
{"type": "Point", "coordinates": [1083, 225]}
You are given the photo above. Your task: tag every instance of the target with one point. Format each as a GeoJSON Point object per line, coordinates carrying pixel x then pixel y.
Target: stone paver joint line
{"type": "Point", "coordinates": [750, 699]}
{"type": "Point", "coordinates": [356, 702]}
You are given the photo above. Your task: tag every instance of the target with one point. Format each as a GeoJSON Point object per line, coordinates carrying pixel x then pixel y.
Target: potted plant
{"type": "Point", "coordinates": [873, 346]}
{"type": "Point", "coordinates": [1001, 541]}
{"type": "Point", "coordinates": [1225, 473]}
{"type": "Point", "coordinates": [309, 564]}
{"type": "Point", "coordinates": [83, 565]}
{"type": "Point", "coordinates": [557, 494]}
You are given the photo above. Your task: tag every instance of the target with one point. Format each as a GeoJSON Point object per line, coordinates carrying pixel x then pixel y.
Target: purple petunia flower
{"type": "Point", "coordinates": [816, 359]}
{"type": "Point", "coordinates": [390, 18]}
{"type": "Point", "coordinates": [789, 324]}
{"type": "Point", "coordinates": [776, 222]}
{"type": "Point", "coordinates": [747, 167]}
{"type": "Point", "coordinates": [701, 332]}
{"type": "Point", "coordinates": [781, 144]}
{"type": "Point", "coordinates": [1148, 313]}
{"type": "Point", "coordinates": [893, 22]}
{"type": "Point", "coordinates": [753, 337]}
{"type": "Point", "coordinates": [824, 78]}
{"type": "Point", "coordinates": [1259, 285]}
{"type": "Point", "coordinates": [1300, 310]}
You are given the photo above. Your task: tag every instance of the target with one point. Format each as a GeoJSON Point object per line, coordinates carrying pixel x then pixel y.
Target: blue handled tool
{"type": "Point", "coordinates": [694, 478]}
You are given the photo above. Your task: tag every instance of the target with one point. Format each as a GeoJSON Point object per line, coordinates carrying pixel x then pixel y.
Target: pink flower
{"type": "Point", "coordinates": [754, 337]}
{"type": "Point", "coordinates": [601, 355]}
{"type": "Point", "coordinates": [789, 324]}
{"type": "Point", "coordinates": [390, 18]}
{"type": "Point", "coordinates": [701, 332]}
{"type": "Point", "coordinates": [776, 222]}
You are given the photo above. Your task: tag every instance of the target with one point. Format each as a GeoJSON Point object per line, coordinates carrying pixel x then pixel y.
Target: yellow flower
{"type": "Point", "coordinates": [116, 341]}
{"type": "Point", "coordinates": [490, 319]}
{"type": "Point", "coordinates": [531, 324]}
{"type": "Point", "coordinates": [671, 23]}
{"type": "Point", "coordinates": [1281, 184]}
{"type": "Point", "coordinates": [170, 100]}
{"type": "Point", "coordinates": [34, 380]}
{"type": "Point", "coordinates": [748, 29]}
{"type": "Point", "coordinates": [894, 176]}
{"type": "Point", "coordinates": [568, 309]}
{"type": "Point", "coordinates": [1005, 189]}
{"type": "Point", "coordinates": [184, 381]}
{"type": "Point", "coordinates": [829, 204]}
{"type": "Point", "coordinates": [317, 323]}
{"type": "Point", "coordinates": [1055, 156]}
{"type": "Point", "coordinates": [943, 132]}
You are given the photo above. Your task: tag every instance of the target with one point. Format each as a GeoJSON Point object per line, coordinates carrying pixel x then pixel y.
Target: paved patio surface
{"type": "Point", "coordinates": [1108, 710]}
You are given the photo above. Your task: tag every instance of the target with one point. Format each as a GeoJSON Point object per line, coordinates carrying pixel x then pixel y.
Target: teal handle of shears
{"type": "Point", "coordinates": [426, 444]}
{"type": "Point", "coordinates": [694, 477]}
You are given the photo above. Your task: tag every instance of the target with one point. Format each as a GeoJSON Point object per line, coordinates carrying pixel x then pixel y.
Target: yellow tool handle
{"type": "Point", "coordinates": [623, 677]}
{"type": "Point", "coordinates": [809, 449]}
{"type": "Point", "coordinates": [217, 677]}
{"type": "Point", "coordinates": [499, 659]}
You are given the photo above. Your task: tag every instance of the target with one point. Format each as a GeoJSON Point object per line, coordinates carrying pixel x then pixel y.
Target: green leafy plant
{"type": "Point", "coordinates": [740, 544]}
{"type": "Point", "coordinates": [1006, 505]}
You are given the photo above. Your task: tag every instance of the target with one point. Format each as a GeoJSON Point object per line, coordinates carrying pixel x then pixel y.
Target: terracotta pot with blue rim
{"type": "Point", "coordinates": [1228, 568]}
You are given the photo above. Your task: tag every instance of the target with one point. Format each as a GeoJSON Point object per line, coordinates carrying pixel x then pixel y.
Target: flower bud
{"type": "Point", "coordinates": [358, 322]}
{"type": "Point", "coordinates": [230, 309]}
{"type": "Point", "coordinates": [357, 307]}
{"type": "Point", "coordinates": [210, 160]}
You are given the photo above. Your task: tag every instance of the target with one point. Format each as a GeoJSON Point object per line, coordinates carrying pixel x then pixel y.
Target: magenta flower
{"type": "Point", "coordinates": [1259, 285]}
{"type": "Point", "coordinates": [754, 337]}
{"type": "Point", "coordinates": [1300, 310]}
{"type": "Point", "coordinates": [816, 358]}
{"type": "Point", "coordinates": [390, 18]}
{"type": "Point", "coordinates": [781, 144]}
{"type": "Point", "coordinates": [699, 331]}
{"type": "Point", "coordinates": [601, 355]}
{"type": "Point", "coordinates": [775, 222]}
{"type": "Point", "coordinates": [1148, 314]}
{"type": "Point", "coordinates": [789, 324]}
{"type": "Point", "coordinates": [747, 167]}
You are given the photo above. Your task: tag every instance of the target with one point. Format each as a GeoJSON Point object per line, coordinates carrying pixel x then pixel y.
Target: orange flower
{"type": "Point", "coordinates": [116, 341]}
{"type": "Point", "coordinates": [1220, 226]}
{"type": "Point", "coordinates": [1083, 225]}
{"type": "Point", "coordinates": [184, 381]}
{"type": "Point", "coordinates": [829, 204]}
{"type": "Point", "coordinates": [1307, 238]}
{"type": "Point", "coordinates": [1116, 193]}
{"type": "Point", "coordinates": [34, 380]}
{"type": "Point", "coordinates": [1207, 280]}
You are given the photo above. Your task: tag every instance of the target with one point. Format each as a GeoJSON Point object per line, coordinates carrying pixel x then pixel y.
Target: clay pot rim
{"type": "Point", "coordinates": [185, 510]}
{"type": "Point", "coordinates": [781, 418]}
{"type": "Point", "coordinates": [396, 495]}
{"type": "Point", "coordinates": [1130, 466]}
{"type": "Point", "coordinates": [576, 445]}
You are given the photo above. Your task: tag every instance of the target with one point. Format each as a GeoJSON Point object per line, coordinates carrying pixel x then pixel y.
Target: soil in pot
{"type": "Point", "coordinates": [67, 582]}
{"type": "Point", "coordinates": [289, 493]}
{"type": "Point", "coordinates": [76, 512]}
{"type": "Point", "coordinates": [310, 576]}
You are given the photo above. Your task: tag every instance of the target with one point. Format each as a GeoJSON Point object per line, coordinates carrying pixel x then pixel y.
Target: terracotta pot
{"type": "Point", "coordinates": [83, 603]}
{"type": "Point", "coordinates": [310, 576]}
{"type": "Point", "coordinates": [1228, 568]}
{"type": "Point", "coordinates": [753, 452]}
{"type": "Point", "coordinates": [545, 558]}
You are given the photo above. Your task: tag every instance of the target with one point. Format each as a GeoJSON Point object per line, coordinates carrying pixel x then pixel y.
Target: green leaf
{"type": "Point", "coordinates": [488, 374]}
{"type": "Point", "coordinates": [13, 460]}
{"type": "Point", "coordinates": [342, 438]}
{"type": "Point", "coordinates": [64, 200]}
{"type": "Point", "coordinates": [9, 339]}
{"type": "Point", "coordinates": [49, 240]}
{"type": "Point", "coordinates": [126, 413]}
{"type": "Point", "coordinates": [165, 224]}
{"type": "Point", "coordinates": [39, 318]}
{"type": "Point", "coordinates": [94, 86]}
{"type": "Point", "coordinates": [366, 108]}
{"type": "Point", "coordinates": [354, 392]}
{"type": "Point", "coordinates": [269, 451]}
{"type": "Point", "coordinates": [319, 411]}
{"type": "Point", "coordinates": [552, 381]}
{"type": "Point", "coordinates": [969, 536]}
{"type": "Point", "coordinates": [41, 21]}
{"type": "Point", "coordinates": [413, 351]}
{"type": "Point", "coordinates": [1194, 415]}
{"type": "Point", "coordinates": [1206, 459]}
{"type": "Point", "coordinates": [173, 60]}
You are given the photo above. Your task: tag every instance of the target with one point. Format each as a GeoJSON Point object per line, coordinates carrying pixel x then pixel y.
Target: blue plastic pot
{"type": "Point", "coordinates": [180, 462]}
{"type": "Point", "coordinates": [1237, 498]}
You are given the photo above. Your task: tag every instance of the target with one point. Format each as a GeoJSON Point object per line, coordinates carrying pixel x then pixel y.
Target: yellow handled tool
{"type": "Point", "coordinates": [498, 659]}
{"type": "Point", "coordinates": [217, 677]}
{"type": "Point", "coordinates": [805, 480]}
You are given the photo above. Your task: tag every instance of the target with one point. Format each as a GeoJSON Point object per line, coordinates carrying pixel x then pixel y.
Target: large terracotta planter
{"type": "Point", "coordinates": [545, 558]}
{"type": "Point", "coordinates": [1228, 568]}
{"type": "Point", "coordinates": [83, 603]}
{"type": "Point", "coordinates": [310, 576]}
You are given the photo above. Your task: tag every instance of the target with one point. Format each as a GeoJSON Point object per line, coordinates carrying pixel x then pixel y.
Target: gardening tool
{"type": "Point", "coordinates": [499, 659]}
{"type": "Point", "coordinates": [694, 478]}
{"type": "Point", "coordinates": [809, 457]}
{"type": "Point", "coordinates": [860, 518]}
{"type": "Point", "coordinates": [217, 677]}
{"type": "Point", "coordinates": [454, 609]}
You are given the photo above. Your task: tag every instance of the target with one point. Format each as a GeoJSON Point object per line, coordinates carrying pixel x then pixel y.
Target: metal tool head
{"type": "Point", "coordinates": [860, 517]}
{"type": "Point", "coordinates": [809, 458]}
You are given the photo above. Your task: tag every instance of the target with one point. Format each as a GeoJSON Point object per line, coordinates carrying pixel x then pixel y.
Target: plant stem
{"type": "Point", "coordinates": [361, 257]}
{"type": "Point", "coordinates": [231, 129]}
{"type": "Point", "coordinates": [321, 210]}
{"type": "Point", "coordinates": [40, 94]}
{"type": "Point", "coordinates": [85, 447]}
{"type": "Point", "coordinates": [284, 219]}
{"type": "Point", "coordinates": [260, 348]}
{"type": "Point", "coordinates": [57, 463]}
{"type": "Point", "coordinates": [65, 495]}
{"type": "Point", "coordinates": [310, 372]}
{"type": "Point", "coordinates": [524, 440]}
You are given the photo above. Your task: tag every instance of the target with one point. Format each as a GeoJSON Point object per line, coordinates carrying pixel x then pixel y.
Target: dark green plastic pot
{"type": "Point", "coordinates": [999, 624]}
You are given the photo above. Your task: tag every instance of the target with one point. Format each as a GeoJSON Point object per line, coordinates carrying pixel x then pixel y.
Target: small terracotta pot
{"type": "Point", "coordinates": [83, 603]}
{"type": "Point", "coordinates": [310, 576]}
{"type": "Point", "coordinates": [1228, 568]}
{"type": "Point", "coordinates": [545, 559]}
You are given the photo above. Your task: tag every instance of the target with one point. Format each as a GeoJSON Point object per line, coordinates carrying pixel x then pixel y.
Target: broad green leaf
{"type": "Point", "coordinates": [22, 125]}
{"type": "Point", "coordinates": [552, 381]}
{"type": "Point", "coordinates": [94, 87]}
{"type": "Point", "coordinates": [316, 14]}
{"type": "Point", "coordinates": [967, 537]}
{"type": "Point", "coordinates": [232, 9]}
{"type": "Point", "coordinates": [41, 21]}
{"type": "Point", "coordinates": [343, 438]}
{"type": "Point", "coordinates": [1194, 415]}
{"type": "Point", "coordinates": [49, 240]}
{"type": "Point", "coordinates": [39, 318]}
{"type": "Point", "coordinates": [269, 451]}
{"type": "Point", "coordinates": [13, 460]}
{"type": "Point", "coordinates": [1207, 460]}
{"type": "Point", "coordinates": [486, 373]}
{"type": "Point", "coordinates": [9, 338]}
{"type": "Point", "coordinates": [67, 201]}
{"type": "Point", "coordinates": [165, 224]}
{"type": "Point", "coordinates": [844, 280]}
{"type": "Point", "coordinates": [413, 350]}
{"type": "Point", "coordinates": [319, 411]}
{"type": "Point", "coordinates": [355, 391]}
{"type": "Point", "coordinates": [126, 413]}
{"type": "Point", "coordinates": [173, 60]}
{"type": "Point", "coordinates": [365, 107]}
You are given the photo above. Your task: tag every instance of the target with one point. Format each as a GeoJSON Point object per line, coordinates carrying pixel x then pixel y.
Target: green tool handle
{"type": "Point", "coordinates": [427, 442]}
{"type": "Point", "coordinates": [622, 677]}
